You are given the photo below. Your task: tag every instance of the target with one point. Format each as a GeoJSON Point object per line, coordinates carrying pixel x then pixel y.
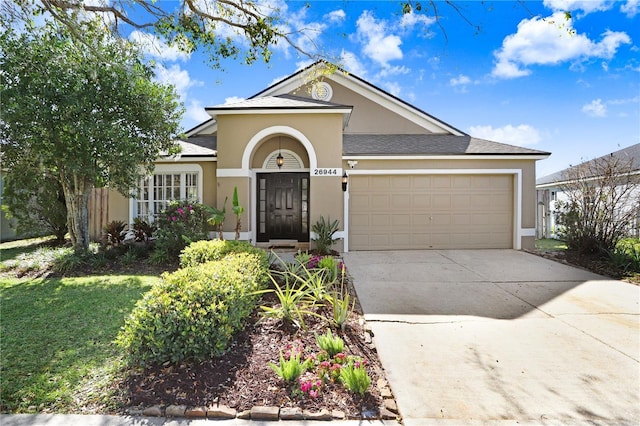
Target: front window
{"type": "Point", "coordinates": [156, 191]}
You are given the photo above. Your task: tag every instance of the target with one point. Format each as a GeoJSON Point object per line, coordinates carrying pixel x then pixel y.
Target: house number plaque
{"type": "Point", "coordinates": [326, 171]}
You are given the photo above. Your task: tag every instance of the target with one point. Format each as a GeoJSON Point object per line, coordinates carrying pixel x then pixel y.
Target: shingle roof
{"type": "Point", "coordinates": [277, 102]}
{"type": "Point", "coordinates": [199, 146]}
{"type": "Point", "coordinates": [430, 144]}
{"type": "Point", "coordinates": [631, 153]}
{"type": "Point", "coordinates": [205, 141]}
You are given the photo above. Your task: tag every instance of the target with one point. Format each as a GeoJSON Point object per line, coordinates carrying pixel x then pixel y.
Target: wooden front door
{"type": "Point", "coordinates": [283, 206]}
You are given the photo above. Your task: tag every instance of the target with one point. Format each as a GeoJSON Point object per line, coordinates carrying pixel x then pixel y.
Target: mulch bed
{"type": "Point", "coordinates": [242, 378]}
{"type": "Point", "coordinates": [593, 263]}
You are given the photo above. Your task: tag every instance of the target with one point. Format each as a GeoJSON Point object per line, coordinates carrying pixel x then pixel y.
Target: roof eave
{"type": "Point", "coordinates": [380, 156]}
{"type": "Point", "coordinates": [278, 110]}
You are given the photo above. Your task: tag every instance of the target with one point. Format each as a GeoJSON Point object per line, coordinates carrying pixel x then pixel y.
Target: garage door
{"type": "Point", "coordinates": [430, 211]}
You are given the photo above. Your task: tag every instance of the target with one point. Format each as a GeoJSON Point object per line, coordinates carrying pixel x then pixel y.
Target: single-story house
{"type": "Point", "coordinates": [552, 188]}
{"type": "Point", "coordinates": [331, 144]}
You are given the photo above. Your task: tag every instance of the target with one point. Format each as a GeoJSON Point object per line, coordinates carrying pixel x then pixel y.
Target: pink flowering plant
{"type": "Point", "coordinates": [309, 374]}
{"type": "Point", "coordinates": [310, 384]}
{"type": "Point", "coordinates": [179, 224]}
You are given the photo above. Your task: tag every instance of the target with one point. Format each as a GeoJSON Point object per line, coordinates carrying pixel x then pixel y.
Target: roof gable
{"type": "Point", "coordinates": [393, 104]}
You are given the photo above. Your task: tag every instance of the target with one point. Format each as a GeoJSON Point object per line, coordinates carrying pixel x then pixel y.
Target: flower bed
{"type": "Point", "coordinates": [246, 375]}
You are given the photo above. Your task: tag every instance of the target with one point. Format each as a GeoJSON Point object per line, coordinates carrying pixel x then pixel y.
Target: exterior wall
{"type": "Point", "coordinates": [273, 144]}
{"type": "Point", "coordinates": [115, 206]}
{"type": "Point", "coordinates": [525, 169]}
{"type": "Point", "coordinates": [367, 117]}
{"type": "Point", "coordinates": [236, 132]}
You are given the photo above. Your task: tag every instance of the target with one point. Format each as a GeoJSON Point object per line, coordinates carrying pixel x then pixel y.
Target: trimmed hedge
{"type": "Point", "coordinates": [195, 311]}
{"type": "Point", "coordinates": [205, 251]}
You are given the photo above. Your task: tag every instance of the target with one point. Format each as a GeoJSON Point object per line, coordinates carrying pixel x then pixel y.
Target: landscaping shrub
{"type": "Point", "coordinates": [626, 255]}
{"type": "Point", "coordinates": [180, 224]}
{"type": "Point", "coordinates": [206, 251]}
{"type": "Point", "coordinates": [194, 312]}
{"type": "Point", "coordinates": [325, 230]}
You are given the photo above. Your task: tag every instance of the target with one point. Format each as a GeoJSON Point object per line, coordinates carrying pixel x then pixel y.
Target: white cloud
{"type": "Point", "coordinates": [393, 88]}
{"type": "Point", "coordinates": [550, 41]}
{"type": "Point", "coordinates": [178, 78]}
{"type": "Point", "coordinates": [520, 135]}
{"type": "Point", "coordinates": [153, 46]}
{"type": "Point", "coordinates": [631, 8]}
{"type": "Point", "coordinates": [195, 111]}
{"type": "Point", "coordinates": [378, 45]}
{"type": "Point", "coordinates": [351, 63]}
{"type": "Point", "coordinates": [586, 6]}
{"type": "Point", "coordinates": [460, 80]}
{"type": "Point", "coordinates": [395, 70]}
{"type": "Point", "coordinates": [336, 16]}
{"type": "Point", "coordinates": [595, 108]}
{"type": "Point", "coordinates": [634, 100]}
{"type": "Point", "coordinates": [409, 20]}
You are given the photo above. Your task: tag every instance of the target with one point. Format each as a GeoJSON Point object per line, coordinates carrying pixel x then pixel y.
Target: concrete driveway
{"type": "Point", "coordinates": [501, 337]}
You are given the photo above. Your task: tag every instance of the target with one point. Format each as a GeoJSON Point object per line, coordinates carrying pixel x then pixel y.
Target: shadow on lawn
{"type": "Point", "coordinates": [57, 334]}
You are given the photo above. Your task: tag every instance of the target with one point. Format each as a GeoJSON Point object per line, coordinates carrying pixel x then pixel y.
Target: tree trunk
{"type": "Point", "coordinates": [76, 192]}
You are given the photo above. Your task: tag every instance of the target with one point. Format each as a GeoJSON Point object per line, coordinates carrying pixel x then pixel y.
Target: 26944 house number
{"type": "Point", "coordinates": [326, 171]}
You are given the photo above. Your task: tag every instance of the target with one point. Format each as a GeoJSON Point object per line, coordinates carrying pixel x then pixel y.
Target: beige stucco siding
{"type": "Point", "coordinates": [367, 116]}
{"type": "Point", "coordinates": [274, 144]}
{"type": "Point", "coordinates": [323, 136]}
{"type": "Point", "coordinates": [324, 132]}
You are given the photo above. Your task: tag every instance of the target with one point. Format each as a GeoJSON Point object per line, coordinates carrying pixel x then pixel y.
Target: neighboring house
{"type": "Point", "coordinates": [394, 176]}
{"type": "Point", "coordinates": [551, 189]}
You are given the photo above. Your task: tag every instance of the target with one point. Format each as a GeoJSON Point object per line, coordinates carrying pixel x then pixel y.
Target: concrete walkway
{"type": "Point", "coordinates": [501, 337]}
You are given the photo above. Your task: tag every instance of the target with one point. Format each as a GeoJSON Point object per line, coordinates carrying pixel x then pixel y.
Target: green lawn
{"type": "Point", "coordinates": [57, 339]}
{"type": "Point", "coordinates": [550, 244]}
{"type": "Point", "coordinates": [57, 334]}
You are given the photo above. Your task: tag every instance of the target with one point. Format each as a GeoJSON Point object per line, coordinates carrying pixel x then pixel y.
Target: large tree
{"type": "Point", "coordinates": [222, 28]}
{"type": "Point", "coordinates": [90, 119]}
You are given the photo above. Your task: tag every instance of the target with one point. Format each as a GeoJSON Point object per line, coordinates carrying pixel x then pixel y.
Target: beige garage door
{"type": "Point", "coordinates": [430, 211]}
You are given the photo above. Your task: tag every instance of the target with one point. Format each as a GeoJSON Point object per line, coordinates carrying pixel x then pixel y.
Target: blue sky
{"type": "Point", "coordinates": [528, 77]}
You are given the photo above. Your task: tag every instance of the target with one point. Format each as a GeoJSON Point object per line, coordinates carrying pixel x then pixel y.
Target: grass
{"type": "Point", "coordinates": [550, 244]}
{"type": "Point", "coordinates": [57, 339]}
{"type": "Point", "coordinates": [57, 334]}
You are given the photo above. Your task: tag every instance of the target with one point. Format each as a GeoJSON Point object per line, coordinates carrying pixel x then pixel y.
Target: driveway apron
{"type": "Point", "coordinates": [501, 336]}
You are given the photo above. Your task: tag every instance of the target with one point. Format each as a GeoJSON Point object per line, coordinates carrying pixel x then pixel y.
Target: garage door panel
{"type": "Point", "coordinates": [401, 201]}
{"type": "Point", "coordinates": [430, 211]}
{"type": "Point", "coordinates": [380, 201]}
{"type": "Point", "coordinates": [401, 182]}
{"type": "Point", "coordinates": [380, 182]}
{"type": "Point", "coordinates": [441, 182]}
{"type": "Point", "coordinates": [461, 202]}
{"type": "Point", "coordinates": [420, 201]}
{"type": "Point", "coordinates": [378, 220]}
{"type": "Point", "coordinates": [441, 201]}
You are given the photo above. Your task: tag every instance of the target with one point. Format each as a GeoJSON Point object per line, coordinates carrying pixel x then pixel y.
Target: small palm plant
{"type": "Point", "coordinates": [324, 230]}
{"type": "Point", "coordinates": [217, 217]}
{"type": "Point", "coordinates": [237, 210]}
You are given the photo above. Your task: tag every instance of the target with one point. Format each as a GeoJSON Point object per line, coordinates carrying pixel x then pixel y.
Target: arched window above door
{"type": "Point", "coordinates": [292, 161]}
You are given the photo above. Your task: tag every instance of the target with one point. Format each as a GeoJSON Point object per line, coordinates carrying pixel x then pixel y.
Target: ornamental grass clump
{"type": "Point", "coordinates": [194, 312]}
{"type": "Point", "coordinates": [291, 365]}
{"type": "Point", "coordinates": [354, 376]}
{"type": "Point", "coordinates": [294, 300]}
{"type": "Point", "coordinates": [330, 343]}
